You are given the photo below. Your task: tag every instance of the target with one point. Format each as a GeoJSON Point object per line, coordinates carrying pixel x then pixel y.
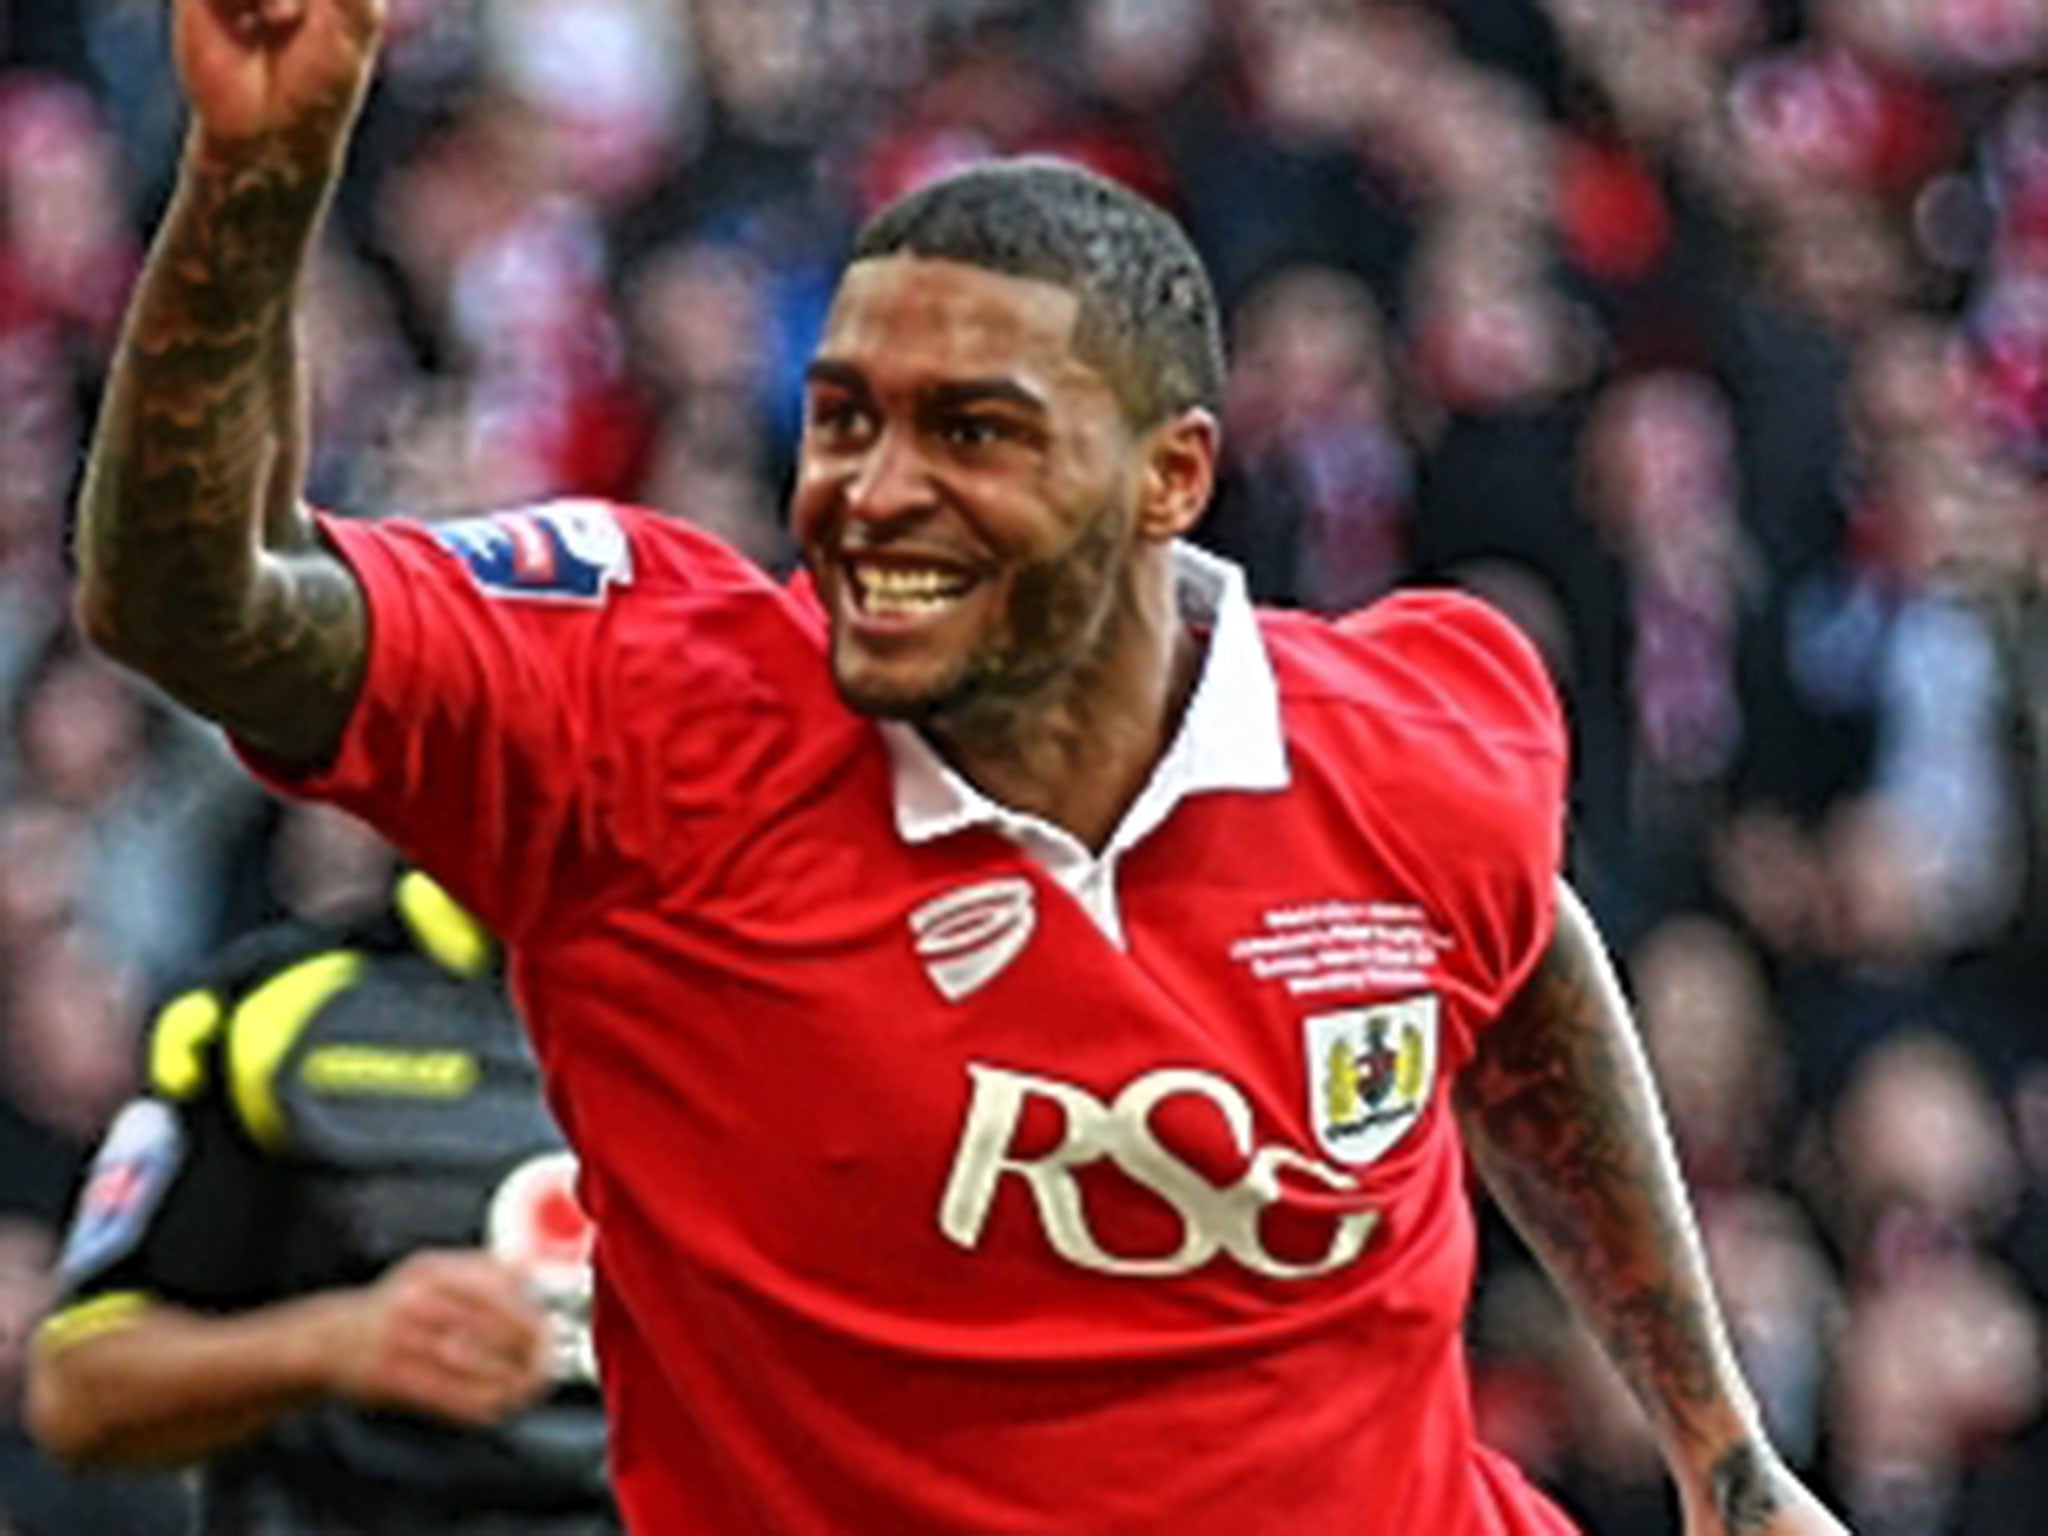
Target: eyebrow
{"type": "Point", "coordinates": [825, 370]}
{"type": "Point", "coordinates": [953, 394]}
{"type": "Point", "coordinates": [965, 392]}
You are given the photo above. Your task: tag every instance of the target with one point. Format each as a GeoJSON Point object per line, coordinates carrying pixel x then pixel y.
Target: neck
{"type": "Point", "coordinates": [1079, 752]}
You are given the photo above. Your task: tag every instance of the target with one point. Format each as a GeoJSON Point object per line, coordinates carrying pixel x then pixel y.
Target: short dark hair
{"type": "Point", "coordinates": [1148, 315]}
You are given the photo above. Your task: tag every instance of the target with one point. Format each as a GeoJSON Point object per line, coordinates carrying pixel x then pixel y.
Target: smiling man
{"type": "Point", "coordinates": [1001, 446]}
{"type": "Point", "coordinates": [1023, 1014]}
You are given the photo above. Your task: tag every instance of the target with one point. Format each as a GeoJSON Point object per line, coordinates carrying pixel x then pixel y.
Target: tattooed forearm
{"type": "Point", "coordinates": [191, 427]}
{"type": "Point", "coordinates": [197, 563]}
{"type": "Point", "coordinates": [1563, 1123]}
{"type": "Point", "coordinates": [1745, 1488]}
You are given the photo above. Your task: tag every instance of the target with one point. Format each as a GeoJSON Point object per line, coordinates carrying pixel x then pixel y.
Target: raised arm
{"type": "Point", "coordinates": [198, 564]}
{"type": "Point", "coordinates": [1563, 1121]}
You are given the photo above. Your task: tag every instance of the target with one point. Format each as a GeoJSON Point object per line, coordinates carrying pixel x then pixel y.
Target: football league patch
{"type": "Point", "coordinates": [564, 551]}
{"type": "Point", "coordinates": [1371, 1072]}
{"type": "Point", "coordinates": [144, 1149]}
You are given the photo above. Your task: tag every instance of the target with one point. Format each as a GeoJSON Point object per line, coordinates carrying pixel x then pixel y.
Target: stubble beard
{"type": "Point", "coordinates": [1051, 630]}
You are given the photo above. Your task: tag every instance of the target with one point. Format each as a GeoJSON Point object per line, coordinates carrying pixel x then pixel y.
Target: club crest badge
{"type": "Point", "coordinates": [1371, 1072]}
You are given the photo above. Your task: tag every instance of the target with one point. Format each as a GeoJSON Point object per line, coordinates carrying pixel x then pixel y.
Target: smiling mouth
{"type": "Point", "coordinates": [904, 590]}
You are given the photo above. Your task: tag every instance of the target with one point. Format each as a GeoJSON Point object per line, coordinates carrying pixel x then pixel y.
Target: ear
{"type": "Point", "coordinates": [1179, 475]}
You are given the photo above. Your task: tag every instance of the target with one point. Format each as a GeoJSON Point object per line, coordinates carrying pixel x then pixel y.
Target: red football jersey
{"type": "Point", "coordinates": [950, 1178]}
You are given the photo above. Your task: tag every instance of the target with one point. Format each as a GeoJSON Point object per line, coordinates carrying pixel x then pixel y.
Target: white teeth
{"type": "Point", "coordinates": [896, 602]}
{"type": "Point", "coordinates": [903, 583]}
{"type": "Point", "coordinates": [899, 589]}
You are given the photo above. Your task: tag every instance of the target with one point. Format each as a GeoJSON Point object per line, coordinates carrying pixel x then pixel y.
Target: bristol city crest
{"type": "Point", "coordinates": [1370, 1074]}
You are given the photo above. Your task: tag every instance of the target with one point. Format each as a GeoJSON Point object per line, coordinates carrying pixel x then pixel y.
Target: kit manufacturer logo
{"type": "Point", "coordinates": [966, 937]}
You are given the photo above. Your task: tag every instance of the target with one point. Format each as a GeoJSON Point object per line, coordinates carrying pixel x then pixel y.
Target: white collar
{"type": "Point", "coordinates": [1230, 736]}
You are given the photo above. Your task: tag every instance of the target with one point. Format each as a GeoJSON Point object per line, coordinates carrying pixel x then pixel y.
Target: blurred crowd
{"type": "Point", "coordinates": [1709, 337]}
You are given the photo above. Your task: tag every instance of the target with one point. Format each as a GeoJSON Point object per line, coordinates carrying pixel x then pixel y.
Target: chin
{"type": "Point", "coordinates": [881, 697]}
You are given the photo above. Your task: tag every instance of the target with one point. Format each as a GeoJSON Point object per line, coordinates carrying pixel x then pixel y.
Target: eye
{"type": "Point", "coordinates": [838, 416]}
{"type": "Point", "coordinates": [980, 430]}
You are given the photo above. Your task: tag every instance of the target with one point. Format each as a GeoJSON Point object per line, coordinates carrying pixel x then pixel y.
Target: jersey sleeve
{"type": "Point", "coordinates": [177, 1202]}
{"type": "Point", "coordinates": [470, 743]}
{"type": "Point", "coordinates": [1490, 789]}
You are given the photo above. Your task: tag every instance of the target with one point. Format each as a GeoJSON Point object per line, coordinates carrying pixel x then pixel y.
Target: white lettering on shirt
{"type": "Point", "coordinates": [1213, 1219]}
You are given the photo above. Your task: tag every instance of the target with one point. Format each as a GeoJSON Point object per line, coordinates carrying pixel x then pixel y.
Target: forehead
{"type": "Point", "coordinates": [911, 318]}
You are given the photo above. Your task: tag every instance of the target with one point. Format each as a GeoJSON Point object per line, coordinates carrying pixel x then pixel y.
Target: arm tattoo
{"type": "Point", "coordinates": [198, 562]}
{"type": "Point", "coordinates": [1744, 1488]}
{"type": "Point", "coordinates": [1561, 1118]}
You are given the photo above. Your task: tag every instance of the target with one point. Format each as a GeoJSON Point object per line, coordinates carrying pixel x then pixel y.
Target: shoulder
{"type": "Point", "coordinates": [567, 553]}
{"type": "Point", "coordinates": [1427, 662]}
{"type": "Point", "coordinates": [186, 1036]}
{"type": "Point", "coordinates": [236, 1031]}
{"type": "Point", "coordinates": [582, 578]}
{"type": "Point", "coordinates": [1429, 724]}
{"type": "Point", "coordinates": [228, 1040]}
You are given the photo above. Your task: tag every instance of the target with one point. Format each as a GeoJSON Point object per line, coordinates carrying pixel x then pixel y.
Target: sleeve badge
{"type": "Point", "coordinates": [143, 1151]}
{"type": "Point", "coordinates": [563, 551]}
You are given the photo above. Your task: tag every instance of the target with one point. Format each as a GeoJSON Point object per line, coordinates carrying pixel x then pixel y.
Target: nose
{"type": "Point", "coordinates": [889, 481]}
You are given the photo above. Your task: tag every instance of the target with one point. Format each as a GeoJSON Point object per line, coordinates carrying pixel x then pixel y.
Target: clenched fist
{"type": "Point", "coordinates": [276, 70]}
